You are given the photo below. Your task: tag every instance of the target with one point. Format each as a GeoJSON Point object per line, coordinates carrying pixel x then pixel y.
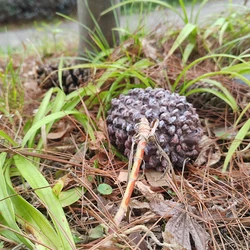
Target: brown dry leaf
{"type": "Point", "coordinates": [122, 177]}
{"type": "Point", "coordinates": [156, 178]}
{"type": "Point", "coordinates": [210, 152]}
{"type": "Point", "coordinates": [147, 192]}
{"type": "Point", "coordinates": [148, 49]}
{"type": "Point", "coordinates": [124, 46]}
{"type": "Point", "coordinates": [182, 226]}
{"type": "Point", "coordinates": [99, 138]}
{"type": "Point", "coordinates": [59, 134]}
{"type": "Point", "coordinates": [165, 208]}
{"type": "Point", "coordinates": [139, 204]}
{"type": "Point", "coordinates": [137, 238]}
{"type": "Point", "coordinates": [169, 238]}
{"type": "Point", "coordinates": [224, 133]}
{"type": "Point", "coordinates": [109, 206]}
{"type": "Point", "coordinates": [102, 157]}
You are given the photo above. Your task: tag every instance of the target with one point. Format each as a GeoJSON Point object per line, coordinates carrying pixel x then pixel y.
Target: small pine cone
{"type": "Point", "coordinates": [178, 133]}
{"type": "Point", "coordinates": [47, 77]}
{"type": "Point", "coordinates": [208, 101]}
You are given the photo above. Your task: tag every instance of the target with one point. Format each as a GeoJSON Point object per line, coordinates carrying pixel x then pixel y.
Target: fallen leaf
{"type": "Point", "coordinates": [224, 133]}
{"type": "Point", "coordinates": [210, 152]}
{"type": "Point", "coordinates": [99, 138]}
{"type": "Point", "coordinates": [169, 238]}
{"type": "Point", "coordinates": [101, 157]}
{"type": "Point", "coordinates": [122, 177]}
{"type": "Point", "coordinates": [156, 178]}
{"type": "Point", "coordinates": [138, 204]}
{"type": "Point", "coordinates": [182, 226]}
{"type": "Point", "coordinates": [148, 49]}
{"type": "Point", "coordinates": [147, 192]}
{"type": "Point", "coordinates": [166, 208]}
{"type": "Point", "coordinates": [59, 134]}
{"type": "Point", "coordinates": [96, 232]}
{"type": "Point", "coordinates": [104, 189]}
{"type": "Point", "coordinates": [137, 239]}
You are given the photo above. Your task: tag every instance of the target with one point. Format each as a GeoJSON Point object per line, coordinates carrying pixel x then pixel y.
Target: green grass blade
{"type": "Point", "coordinates": [225, 95]}
{"type": "Point", "coordinates": [187, 52]}
{"type": "Point", "coordinates": [45, 193]}
{"type": "Point", "coordinates": [199, 10]}
{"type": "Point", "coordinates": [34, 222]}
{"type": "Point", "coordinates": [42, 111]}
{"type": "Point", "coordinates": [8, 138]}
{"type": "Point", "coordinates": [161, 3]}
{"type": "Point", "coordinates": [236, 143]}
{"type": "Point", "coordinates": [57, 105]}
{"type": "Point", "coordinates": [222, 32]}
{"type": "Point", "coordinates": [184, 34]}
{"type": "Point", "coordinates": [60, 71]}
{"type": "Point", "coordinates": [85, 121]}
{"type": "Point", "coordinates": [240, 68]}
{"type": "Point", "coordinates": [76, 96]}
{"type": "Point", "coordinates": [184, 11]}
{"type": "Point", "coordinates": [7, 209]}
{"type": "Point", "coordinates": [242, 114]}
{"type": "Point", "coordinates": [213, 56]}
{"type": "Point", "coordinates": [47, 119]}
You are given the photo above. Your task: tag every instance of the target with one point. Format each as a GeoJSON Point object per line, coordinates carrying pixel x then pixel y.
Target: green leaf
{"type": "Point", "coordinates": [8, 138]}
{"type": "Point", "coordinates": [58, 187]}
{"type": "Point", "coordinates": [86, 124]}
{"type": "Point", "coordinates": [57, 105]}
{"type": "Point", "coordinates": [214, 27]}
{"type": "Point", "coordinates": [240, 68]}
{"type": "Point", "coordinates": [43, 190]}
{"type": "Point", "coordinates": [185, 32]}
{"type": "Point", "coordinates": [60, 72]}
{"type": "Point", "coordinates": [236, 143]}
{"type": "Point", "coordinates": [70, 196]}
{"type": "Point", "coordinates": [104, 189]}
{"type": "Point", "coordinates": [42, 111]}
{"type": "Point", "coordinates": [76, 96]}
{"type": "Point", "coordinates": [213, 56]}
{"type": "Point", "coordinates": [7, 209]}
{"type": "Point", "coordinates": [187, 52]}
{"type": "Point", "coordinates": [52, 117]}
{"type": "Point", "coordinates": [34, 222]}
{"type": "Point", "coordinates": [96, 232]}
{"type": "Point", "coordinates": [222, 32]}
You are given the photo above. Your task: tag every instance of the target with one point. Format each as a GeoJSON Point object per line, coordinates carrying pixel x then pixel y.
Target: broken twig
{"type": "Point", "coordinates": [144, 133]}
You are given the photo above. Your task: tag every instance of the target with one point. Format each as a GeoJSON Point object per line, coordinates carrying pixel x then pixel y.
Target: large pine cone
{"type": "Point", "coordinates": [47, 77]}
{"type": "Point", "coordinates": [178, 133]}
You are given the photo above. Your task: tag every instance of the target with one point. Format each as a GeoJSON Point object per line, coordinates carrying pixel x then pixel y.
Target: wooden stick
{"type": "Point", "coordinates": [144, 132]}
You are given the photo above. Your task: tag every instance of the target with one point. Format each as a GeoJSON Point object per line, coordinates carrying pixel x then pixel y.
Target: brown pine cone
{"type": "Point", "coordinates": [209, 105]}
{"type": "Point", "coordinates": [239, 91]}
{"type": "Point", "coordinates": [178, 133]}
{"type": "Point", "coordinates": [47, 77]}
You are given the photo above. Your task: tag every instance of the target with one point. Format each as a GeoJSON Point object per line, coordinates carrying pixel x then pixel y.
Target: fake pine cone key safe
{"type": "Point", "coordinates": [177, 134]}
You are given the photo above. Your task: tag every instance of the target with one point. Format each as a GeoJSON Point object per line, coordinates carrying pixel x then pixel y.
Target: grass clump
{"type": "Point", "coordinates": [62, 181]}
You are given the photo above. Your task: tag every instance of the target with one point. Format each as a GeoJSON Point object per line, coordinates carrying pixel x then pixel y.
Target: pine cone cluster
{"type": "Point", "coordinates": [47, 77]}
{"type": "Point", "coordinates": [178, 133]}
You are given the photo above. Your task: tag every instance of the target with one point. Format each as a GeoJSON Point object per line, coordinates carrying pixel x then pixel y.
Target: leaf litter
{"type": "Point", "coordinates": [198, 208]}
